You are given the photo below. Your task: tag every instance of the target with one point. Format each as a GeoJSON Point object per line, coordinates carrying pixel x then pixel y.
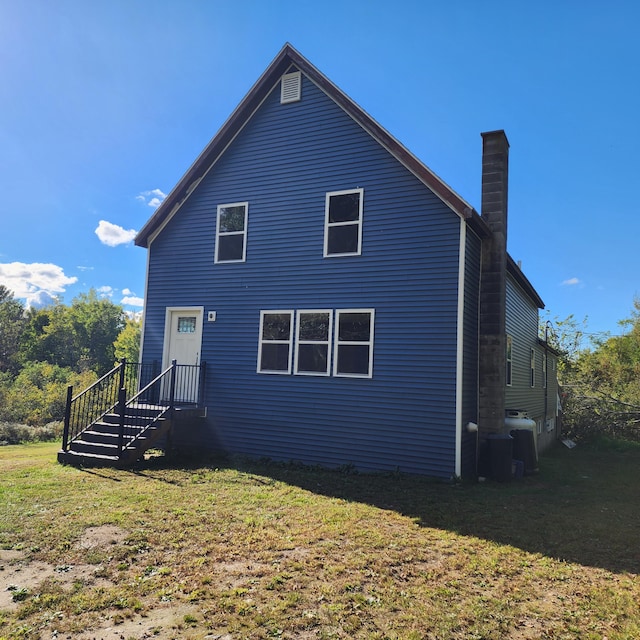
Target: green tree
{"type": "Point", "coordinates": [601, 384]}
{"type": "Point", "coordinates": [37, 395]}
{"type": "Point", "coordinates": [567, 336]}
{"type": "Point", "coordinates": [97, 323]}
{"type": "Point", "coordinates": [12, 324]}
{"type": "Point", "coordinates": [127, 344]}
{"type": "Point", "coordinates": [80, 337]}
{"type": "Point", "coordinates": [49, 337]}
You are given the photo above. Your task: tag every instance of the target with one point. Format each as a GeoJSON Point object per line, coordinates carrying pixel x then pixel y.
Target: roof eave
{"type": "Point", "coordinates": [523, 281]}
{"type": "Point", "coordinates": [219, 141]}
{"type": "Point", "coordinates": [285, 58]}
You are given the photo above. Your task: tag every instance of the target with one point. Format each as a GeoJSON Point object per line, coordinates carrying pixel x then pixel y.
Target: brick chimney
{"type": "Point", "coordinates": [493, 282]}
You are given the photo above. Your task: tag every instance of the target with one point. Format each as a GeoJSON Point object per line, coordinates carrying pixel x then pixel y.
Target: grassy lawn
{"type": "Point", "coordinates": [234, 549]}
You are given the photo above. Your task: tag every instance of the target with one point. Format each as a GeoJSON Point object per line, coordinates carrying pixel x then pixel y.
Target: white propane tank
{"type": "Point", "coordinates": [518, 419]}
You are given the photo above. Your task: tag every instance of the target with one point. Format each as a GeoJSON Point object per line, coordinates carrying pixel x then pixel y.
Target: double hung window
{"type": "Point", "coordinates": [353, 355]}
{"type": "Point", "coordinates": [320, 350]}
{"type": "Point", "coordinates": [231, 232]}
{"type": "Point", "coordinates": [276, 337]}
{"type": "Point", "coordinates": [343, 223]}
{"type": "Point", "coordinates": [509, 373]}
{"type": "Point", "coordinates": [533, 368]}
{"type": "Point", "coordinates": [313, 338]}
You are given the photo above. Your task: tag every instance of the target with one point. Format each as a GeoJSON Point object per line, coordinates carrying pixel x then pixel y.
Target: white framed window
{"type": "Point", "coordinates": [353, 345]}
{"type": "Point", "coordinates": [313, 342]}
{"type": "Point", "coordinates": [533, 368]}
{"type": "Point", "coordinates": [343, 223]}
{"type": "Point", "coordinates": [509, 373]}
{"type": "Point", "coordinates": [274, 344]}
{"type": "Point", "coordinates": [231, 232]}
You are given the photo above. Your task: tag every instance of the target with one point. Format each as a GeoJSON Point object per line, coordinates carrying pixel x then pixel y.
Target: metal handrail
{"type": "Point", "coordinates": [177, 384]}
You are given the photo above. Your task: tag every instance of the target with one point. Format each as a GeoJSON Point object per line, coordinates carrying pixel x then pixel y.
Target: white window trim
{"type": "Point", "coordinates": [232, 233]}
{"type": "Point", "coordinates": [328, 225]}
{"type": "Point", "coordinates": [509, 361]}
{"type": "Point", "coordinates": [532, 373]}
{"type": "Point", "coordinates": [289, 342]}
{"type": "Point", "coordinates": [545, 374]}
{"type": "Point", "coordinates": [328, 342]}
{"type": "Point", "coordinates": [337, 343]}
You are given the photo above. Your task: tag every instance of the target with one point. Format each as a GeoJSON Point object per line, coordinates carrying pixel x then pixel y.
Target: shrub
{"type": "Point", "coordinates": [14, 433]}
{"type": "Point", "coordinates": [37, 395]}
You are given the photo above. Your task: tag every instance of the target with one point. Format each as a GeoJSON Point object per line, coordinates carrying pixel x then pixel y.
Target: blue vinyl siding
{"type": "Point", "coordinates": [470, 399]}
{"type": "Point", "coordinates": [282, 163]}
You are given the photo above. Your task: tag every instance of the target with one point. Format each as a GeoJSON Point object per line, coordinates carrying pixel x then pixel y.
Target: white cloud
{"type": "Point", "coordinates": [37, 283]}
{"type": "Point", "coordinates": [571, 282]}
{"type": "Point", "coordinates": [152, 198]}
{"type": "Point", "coordinates": [112, 235]}
{"type": "Point", "coordinates": [127, 292]}
{"type": "Point", "coordinates": [132, 301]}
{"type": "Point", "coordinates": [105, 292]}
{"type": "Point", "coordinates": [80, 268]}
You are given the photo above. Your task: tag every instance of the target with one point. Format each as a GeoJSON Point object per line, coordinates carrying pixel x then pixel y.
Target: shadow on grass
{"type": "Point", "coordinates": [581, 507]}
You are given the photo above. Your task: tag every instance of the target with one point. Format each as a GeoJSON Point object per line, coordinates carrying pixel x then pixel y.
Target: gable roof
{"type": "Point", "coordinates": [523, 281]}
{"type": "Point", "coordinates": [287, 57]}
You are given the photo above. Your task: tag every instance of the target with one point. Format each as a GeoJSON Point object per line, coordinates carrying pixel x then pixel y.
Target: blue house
{"type": "Point", "coordinates": [350, 307]}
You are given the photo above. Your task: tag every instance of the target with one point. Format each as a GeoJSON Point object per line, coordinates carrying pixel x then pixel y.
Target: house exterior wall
{"type": "Point", "coordinates": [283, 162]}
{"type": "Point", "coordinates": [539, 401]}
{"type": "Point", "coordinates": [551, 426]}
{"type": "Point", "coordinates": [473, 253]}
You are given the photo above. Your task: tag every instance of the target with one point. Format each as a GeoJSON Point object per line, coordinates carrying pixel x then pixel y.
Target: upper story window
{"type": "Point", "coordinates": [533, 367]}
{"type": "Point", "coordinates": [313, 337]}
{"type": "Point", "coordinates": [276, 337]}
{"type": "Point", "coordinates": [509, 361]}
{"type": "Point", "coordinates": [343, 223]}
{"type": "Point", "coordinates": [353, 355]}
{"type": "Point", "coordinates": [231, 232]}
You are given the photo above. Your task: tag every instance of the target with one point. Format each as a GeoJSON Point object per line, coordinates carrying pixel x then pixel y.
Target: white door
{"type": "Point", "coordinates": [183, 342]}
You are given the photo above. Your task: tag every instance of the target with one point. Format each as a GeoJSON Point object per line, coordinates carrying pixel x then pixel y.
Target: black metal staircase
{"type": "Point", "coordinates": [127, 412]}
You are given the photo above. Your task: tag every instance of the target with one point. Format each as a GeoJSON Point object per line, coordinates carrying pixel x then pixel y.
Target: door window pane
{"type": "Point", "coordinates": [186, 324]}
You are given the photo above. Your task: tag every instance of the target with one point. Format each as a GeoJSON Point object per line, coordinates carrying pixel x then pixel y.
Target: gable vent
{"type": "Point", "coordinates": [290, 87]}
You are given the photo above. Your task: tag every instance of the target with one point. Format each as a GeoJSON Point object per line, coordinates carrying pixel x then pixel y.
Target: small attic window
{"type": "Point", "coordinates": [290, 87]}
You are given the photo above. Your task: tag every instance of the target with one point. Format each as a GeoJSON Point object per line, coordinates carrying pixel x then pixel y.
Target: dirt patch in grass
{"type": "Point", "coordinates": [102, 536]}
{"type": "Point", "coordinates": [21, 577]}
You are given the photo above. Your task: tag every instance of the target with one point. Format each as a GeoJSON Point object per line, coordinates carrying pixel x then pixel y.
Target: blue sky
{"type": "Point", "coordinates": [105, 104]}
